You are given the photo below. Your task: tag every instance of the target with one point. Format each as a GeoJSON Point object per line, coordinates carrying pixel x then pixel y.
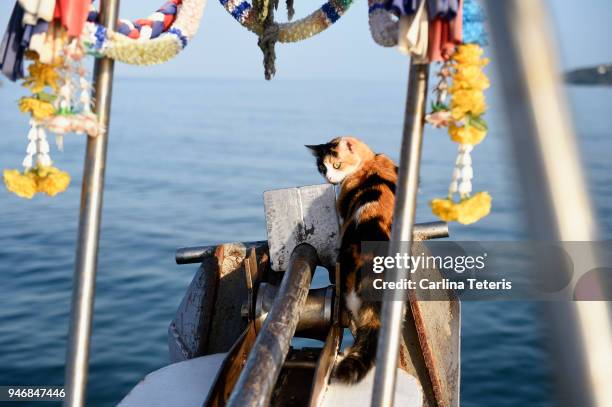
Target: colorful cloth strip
{"type": "Point", "coordinates": [451, 22]}
{"type": "Point", "coordinates": [402, 7]}
{"type": "Point", "coordinates": [158, 22]}
{"type": "Point", "coordinates": [12, 47]}
{"type": "Point", "coordinates": [473, 24]}
{"type": "Point", "coordinates": [445, 9]}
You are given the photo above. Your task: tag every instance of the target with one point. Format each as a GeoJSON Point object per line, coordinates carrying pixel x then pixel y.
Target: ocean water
{"type": "Point", "coordinates": [189, 168]}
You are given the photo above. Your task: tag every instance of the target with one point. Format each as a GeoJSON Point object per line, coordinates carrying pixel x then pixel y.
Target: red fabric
{"type": "Point", "coordinates": [72, 14]}
{"type": "Point", "coordinates": [143, 22]}
{"type": "Point", "coordinates": [444, 35]}
{"type": "Point", "coordinates": [168, 20]}
{"type": "Point", "coordinates": [457, 25]}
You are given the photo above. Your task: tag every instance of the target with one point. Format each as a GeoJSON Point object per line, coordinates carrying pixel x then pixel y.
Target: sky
{"type": "Point", "coordinates": [224, 49]}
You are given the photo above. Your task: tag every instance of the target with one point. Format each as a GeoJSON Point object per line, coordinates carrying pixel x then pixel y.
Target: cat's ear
{"type": "Point", "coordinates": [315, 149]}
{"type": "Point", "coordinates": [346, 144]}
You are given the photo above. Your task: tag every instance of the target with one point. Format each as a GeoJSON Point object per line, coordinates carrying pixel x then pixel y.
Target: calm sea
{"type": "Point", "coordinates": [187, 164]}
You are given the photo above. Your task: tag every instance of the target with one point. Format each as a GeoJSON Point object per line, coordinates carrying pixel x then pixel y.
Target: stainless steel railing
{"type": "Point", "coordinates": [84, 283]}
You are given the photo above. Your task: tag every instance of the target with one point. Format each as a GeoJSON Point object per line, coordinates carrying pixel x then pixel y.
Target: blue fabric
{"type": "Point", "coordinates": [92, 17]}
{"type": "Point", "coordinates": [402, 7]}
{"type": "Point", "coordinates": [11, 48]}
{"type": "Point", "coordinates": [376, 6]}
{"type": "Point", "coordinates": [330, 12]}
{"type": "Point", "coordinates": [473, 24]}
{"type": "Point", "coordinates": [179, 34]}
{"type": "Point", "coordinates": [240, 9]}
{"type": "Point", "coordinates": [41, 27]}
{"type": "Point", "coordinates": [27, 35]}
{"type": "Point", "coordinates": [157, 28]}
{"type": "Point", "coordinates": [168, 8]}
{"type": "Point", "coordinates": [446, 9]}
{"type": "Point", "coordinates": [123, 28]}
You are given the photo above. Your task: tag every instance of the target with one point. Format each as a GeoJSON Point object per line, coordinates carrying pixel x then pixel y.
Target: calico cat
{"type": "Point", "coordinates": [365, 204]}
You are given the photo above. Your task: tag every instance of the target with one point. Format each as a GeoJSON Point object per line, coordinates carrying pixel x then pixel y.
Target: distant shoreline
{"type": "Point", "coordinates": [598, 75]}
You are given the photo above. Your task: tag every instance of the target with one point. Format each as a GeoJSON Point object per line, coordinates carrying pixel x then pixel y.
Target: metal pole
{"type": "Point", "coordinates": [392, 314]}
{"type": "Point", "coordinates": [189, 255]}
{"type": "Point", "coordinates": [554, 187]}
{"type": "Point", "coordinates": [89, 227]}
{"type": "Point", "coordinates": [256, 382]}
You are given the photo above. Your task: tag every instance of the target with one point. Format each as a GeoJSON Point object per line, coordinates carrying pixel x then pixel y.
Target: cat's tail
{"type": "Point", "coordinates": [360, 357]}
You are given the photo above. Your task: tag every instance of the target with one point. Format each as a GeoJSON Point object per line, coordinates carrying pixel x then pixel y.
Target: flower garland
{"type": "Point", "coordinates": [39, 175]}
{"type": "Point", "coordinates": [466, 127]}
{"type": "Point", "coordinates": [153, 40]}
{"type": "Point", "coordinates": [61, 94]}
{"type": "Point", "coordinates": [294, 31]}
{"type": "Point", "coordinates": [73, 114]}
{"type": "Point", "coordinates": [450, 32]}
{"type": "Point", "coordinates": [43, 179]}
{"type": "Point", "coordinates": [259, 19]}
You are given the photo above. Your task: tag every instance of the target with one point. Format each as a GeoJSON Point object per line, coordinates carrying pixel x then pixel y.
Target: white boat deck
{"type": "Point", "coordinates": [185, 384]}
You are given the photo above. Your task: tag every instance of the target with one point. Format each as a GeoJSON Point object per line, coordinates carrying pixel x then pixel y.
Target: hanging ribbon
{"type": "Point", "coordinates": [449, 21]}
{"type": "Point", "coordinates": [12, 47]}
{"type": "Point", "coordinates": [72, 14]}
{"type": "Point", "coordinates": [413, 38]}
{"type": "Point", "coordinates": [444, 9]}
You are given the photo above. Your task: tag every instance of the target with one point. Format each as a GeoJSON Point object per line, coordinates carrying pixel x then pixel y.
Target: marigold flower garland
{"type": "Point", "coordinates": [39, 175]}
{"type": "Point", "coordinates": [450, 32]}
{"type": "Point", "coordinates": [466, 127]}
{"type": "Point", "coordinates": [61, 94]}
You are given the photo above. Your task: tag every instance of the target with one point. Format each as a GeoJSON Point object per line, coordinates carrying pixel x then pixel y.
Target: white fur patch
{"type": "Point", "coordinates": [353, 303]}
{"type": "Point", "coordinates": [333, 175]}
{"type": "Point", "coordinates": [359, 211]}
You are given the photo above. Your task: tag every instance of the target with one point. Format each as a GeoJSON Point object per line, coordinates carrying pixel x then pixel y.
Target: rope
{"type": "Point", "coordinates": [269, 36]}
{"type": "Point", "coordinates": [267, 41]}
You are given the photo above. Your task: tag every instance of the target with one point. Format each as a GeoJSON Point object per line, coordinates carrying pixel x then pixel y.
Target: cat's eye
{"type": "Point", "coordinates": [337, 165]}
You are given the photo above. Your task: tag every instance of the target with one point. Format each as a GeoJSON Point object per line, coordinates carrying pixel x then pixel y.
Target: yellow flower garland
{"type": "Point", "coordinates": [466, 127]}
{"type": "Point", "coordinates": [467, 95]}
{"type": "Point", "coordinates": [22, 185]}
{"type": "Point", "coordinates": [48, 180]}
{"type": "Point", "coordinates": [40, 178]}
{"type": "Point", "coordinates": [466, 211]}
{"type": "Point", "coordinates": [39, 109]}
{"type": "Point", "coordinates": [466, 134]}
{"type": "Point", "coordinates": [41, 75]}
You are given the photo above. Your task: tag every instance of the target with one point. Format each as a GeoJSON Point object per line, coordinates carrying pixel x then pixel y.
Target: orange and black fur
{"type": "Point", "coordinates": [365, 204]}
